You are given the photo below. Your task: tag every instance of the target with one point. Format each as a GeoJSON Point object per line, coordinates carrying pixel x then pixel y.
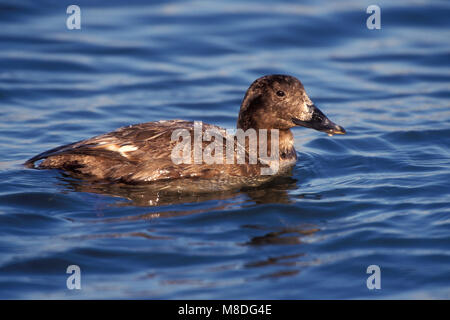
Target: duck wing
{"type": "Point", "coordinates": [139, 153]}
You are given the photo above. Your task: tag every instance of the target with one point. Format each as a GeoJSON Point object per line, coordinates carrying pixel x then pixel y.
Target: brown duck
{"type": "Point", "coordinates": [142, 153]}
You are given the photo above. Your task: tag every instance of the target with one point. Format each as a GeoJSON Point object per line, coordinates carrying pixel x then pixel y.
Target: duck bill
{"type": "Point", "coordinates": [319, 122]}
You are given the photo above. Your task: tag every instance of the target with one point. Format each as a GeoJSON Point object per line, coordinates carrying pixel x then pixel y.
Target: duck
{"type": "Point", "coordinates": [160, 153]}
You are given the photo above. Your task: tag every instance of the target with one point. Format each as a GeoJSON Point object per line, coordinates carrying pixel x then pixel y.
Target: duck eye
{"type": "Point", "coordinates": [280, 93]}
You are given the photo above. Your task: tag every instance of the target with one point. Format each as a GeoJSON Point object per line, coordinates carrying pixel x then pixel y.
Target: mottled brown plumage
{"type": "Point", "coordinates": [142, 153]}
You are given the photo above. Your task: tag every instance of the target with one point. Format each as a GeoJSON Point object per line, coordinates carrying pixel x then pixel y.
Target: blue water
{"type": "Point", "coordinates": [379, 195]}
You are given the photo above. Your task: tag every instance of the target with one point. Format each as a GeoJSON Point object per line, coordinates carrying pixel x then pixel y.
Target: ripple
{"type": "Point", "coordinates": [378, 195]}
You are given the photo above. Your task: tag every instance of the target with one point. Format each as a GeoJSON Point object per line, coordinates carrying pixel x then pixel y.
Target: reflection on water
{"type": "Point", "coordinates": [288, 235]}
{"type": "Point", "coordinates": [276, 191]}
{"type": "Point", "coordinates": [145, 196]}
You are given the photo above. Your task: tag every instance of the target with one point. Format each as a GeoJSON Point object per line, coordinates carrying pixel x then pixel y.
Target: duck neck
{"type": "Point", "coordinates": [285, 140]}
{"type": "Point", "coordinates": [251, 117]}
{"type": "Point", "coordinates": [286, 143]}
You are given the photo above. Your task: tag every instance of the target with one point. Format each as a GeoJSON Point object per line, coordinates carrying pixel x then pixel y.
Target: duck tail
{"type": "Point", "coordinates": [30, 163]}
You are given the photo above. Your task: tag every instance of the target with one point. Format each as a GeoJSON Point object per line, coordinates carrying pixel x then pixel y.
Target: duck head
{"type": "Point", "coordinates": [280, 102]}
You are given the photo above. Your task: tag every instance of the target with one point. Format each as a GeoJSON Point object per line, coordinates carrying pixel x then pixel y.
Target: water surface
{"type": "Point", "coordinates": [378, 195]}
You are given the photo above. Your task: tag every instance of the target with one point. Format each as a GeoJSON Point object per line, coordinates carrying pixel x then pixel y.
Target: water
{"type": "Point", "coordinates": [376, 196]}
